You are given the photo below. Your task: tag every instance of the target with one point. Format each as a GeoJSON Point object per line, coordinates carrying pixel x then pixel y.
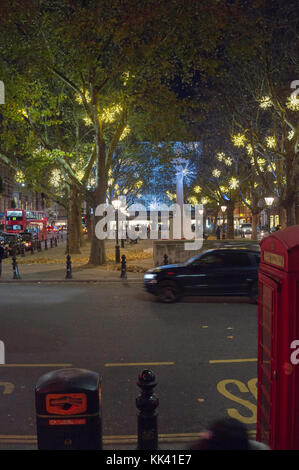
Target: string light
{"type": "Point", "coordinates": [233, 183]}
{"type": "Point", "coordinates": [265, 102]}
{"type": "Point", "coordinates": [193, 200]}
{"type": "Point", "coordinates": [216, 173]}
{"type": "Point", "coordinates": [79, 99]}
{"type": "Point", "coordinates": [291, 134]}
{"type": "Point", "coordinates": [220, 156]}
{"type": "Point", "coordinates": [197, 189]}
{"type": "Point", "coordinates": [239, 140]}
{"type": "Point", "coordinates": [270, 141]}
{"type": "Point", "coordinates": [228, 161]}
{"type": "Point", "coordinates": [125, 133]}
{"type": "Point", "coordinates": [55, 179]}
{"type": "Point", "coordinates": [293, 103]}
{"type": "Point", "coordinates": [19, 177]}
{"type": "Point", "coordinates": [249, 149]}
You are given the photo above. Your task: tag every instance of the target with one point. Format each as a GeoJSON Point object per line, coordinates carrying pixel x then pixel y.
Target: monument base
{"type": "Point", "coordinates": [176, 253]}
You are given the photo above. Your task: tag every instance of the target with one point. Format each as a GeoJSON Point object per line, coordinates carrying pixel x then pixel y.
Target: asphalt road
{"type": "Point", "coordinates": [202, 352]}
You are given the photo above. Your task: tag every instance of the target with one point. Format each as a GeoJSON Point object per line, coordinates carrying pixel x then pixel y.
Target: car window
{"type": "Point", "coordinates": [237, 259]}
{"type": "Point", "coordinates": [211, 260]}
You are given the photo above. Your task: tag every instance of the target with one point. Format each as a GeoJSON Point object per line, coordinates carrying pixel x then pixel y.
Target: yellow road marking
{"type": "Point", "coordinates": [35, 365]}
{"type": "Point", "coordinates": [8, 387]}
{"type": "Point", "coordinates": [185, 437]}
{"type": "Point", "coordinates": [228, 361]}
{"type": "Point", "coordinates": [233, 412]}
{"type": "Point", "coordinates": [127, 364]}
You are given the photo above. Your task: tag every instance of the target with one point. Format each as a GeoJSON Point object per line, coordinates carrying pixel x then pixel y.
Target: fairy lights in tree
{"type": "Point", "coordinates": [170, 195]}
{"type": "Point", "coordinates": [265, 102]}
{"type": "Point", "coordinates": [86, 94]}
{"type": "Point", "coordinates": [138, 184]}
{"type": "Point", "coordinates": [228, 161]}
{"type": "Point", "coordinates": [239, 140]}
{"type": "Point", "coordinates": [216, 173]}
{"type": "Point", "coordinates": [291, 134]}
{"type": "Point", "coordinates": [87, 121]}
{"type": "Point", "coordinates": [125, 133]}
{"type": "Point", "coordinates": [19, 177]}
{"type": "Point", "coordinates": [270, 142]}
{"type": "Point", "coordinates": [220, 156]}
{"type": "Point", "coordinates": [80, 174]}
{"type": "Point", "coordinates": [249, 149]}
{"type": "Point", "coordinates": [197, 189]}
{"type": "Point", "coordinates": [109, 115]}
{"type": "Point", "coordinates": [293, 102]}
{"type": "Point", "coordinates": [233, 183]}
{"type": "Point", "coordinates": [56, 178]}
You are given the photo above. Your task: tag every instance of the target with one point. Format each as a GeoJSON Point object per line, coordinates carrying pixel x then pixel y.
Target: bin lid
{"type": "Point", "coordinates": [69, 385]}
{"type": "Point", "coordinates": [281, 249]}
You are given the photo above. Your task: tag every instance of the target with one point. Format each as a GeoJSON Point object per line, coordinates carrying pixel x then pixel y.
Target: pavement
{"type": "Point", "coordinates": [50, 266]}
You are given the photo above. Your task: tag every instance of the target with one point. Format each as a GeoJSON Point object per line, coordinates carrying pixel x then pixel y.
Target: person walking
{"type": "Point", "coordinates": [227, 434]}
{"type": "Point", "coordinates": [218, 232]}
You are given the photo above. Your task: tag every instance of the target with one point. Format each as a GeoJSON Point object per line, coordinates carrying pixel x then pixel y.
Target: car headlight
{"type": "Point", "coordinates": [150, 276]}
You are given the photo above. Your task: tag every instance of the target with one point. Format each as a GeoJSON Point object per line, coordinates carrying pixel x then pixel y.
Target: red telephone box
{"type": "Point", "coordinates": [278, 327]}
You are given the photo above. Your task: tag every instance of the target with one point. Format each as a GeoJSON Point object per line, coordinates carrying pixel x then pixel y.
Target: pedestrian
{"type": "Point", "coordinates": [227, 434]}
{"type": "Point", "coordinates": [218, 232]}
{"type": "Point", "coordinates": [1, 257]}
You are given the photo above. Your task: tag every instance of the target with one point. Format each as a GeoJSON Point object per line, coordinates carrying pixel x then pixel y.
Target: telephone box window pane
{"type": "Point", "coordinates": [266, 363]}
{"type": "Point", "coordinates": [265, 404]}
{"type": "Point", "coordinates": [264, 428]}
{"type": "Point", "coordinates": [266, 338]}
{"type": "Point", "coordinates": [266, 383]}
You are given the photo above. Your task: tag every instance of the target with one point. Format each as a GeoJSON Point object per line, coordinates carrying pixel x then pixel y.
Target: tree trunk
{"type": "Point", "coordinates": [230, 220]}
{"type": "Point", "coordinates": [88, 222]}
{"type": "Point", "coordinates": [74, 222]}
{"type": "Point", "coordinates": [282, 217]}
{"type": "Point", "coordinates": [255, 216]}
{"type": "Point", "coordinates": [97, 250]}
{"type": "Point", "coordinates": [291, 214]}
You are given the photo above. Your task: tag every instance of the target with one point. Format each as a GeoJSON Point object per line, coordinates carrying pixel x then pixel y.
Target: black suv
{"type": "Point", "coordinates": [221, 271]}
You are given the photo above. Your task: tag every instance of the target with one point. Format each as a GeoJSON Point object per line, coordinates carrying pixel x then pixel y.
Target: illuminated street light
{"type": "Point", "coordinates": [269, 202]}
{"type": "Point", "coordinates": [223, 208]}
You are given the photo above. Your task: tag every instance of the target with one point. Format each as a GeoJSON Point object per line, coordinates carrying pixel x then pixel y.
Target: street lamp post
{"type": "Point", "coordinates": [269, 202]}
{"type": "Point", "coordinates": [223, 208]}
{"type": "Point", "coordinates": [116, 204]}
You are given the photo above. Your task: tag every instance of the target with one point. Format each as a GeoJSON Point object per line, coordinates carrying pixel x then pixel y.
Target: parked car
{"type": "Point", "coordinates": [12, 240]}
{"type": "Point", "coordinates": [221, 271]}
{"type": "Point", "coordinates": [28, 239]}
{"type": "Point", "coordinates": [2, 243]}
{"type": "Point", "coordinates": [245, 229]}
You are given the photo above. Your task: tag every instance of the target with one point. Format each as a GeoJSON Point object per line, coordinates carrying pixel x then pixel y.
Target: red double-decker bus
{"type": "Point", "coordinates": [19, 220]}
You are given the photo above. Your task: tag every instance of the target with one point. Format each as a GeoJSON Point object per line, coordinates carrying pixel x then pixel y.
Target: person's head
{"type": "Point", "coordinates": [225, 434]}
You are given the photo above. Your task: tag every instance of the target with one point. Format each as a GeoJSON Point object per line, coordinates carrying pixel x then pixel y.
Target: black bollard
{"type": "Point", "coordinates": [16, 274]}
{"type": "Point", "coordinates": [68, 267]}
{"type": "Point", "coordinates": [46, 245]}
{"type": "Point", "coordinates": [32, 248]}
{"type": "Point", "coordinates": [122, 243]}
{"type": "Point", "coordinates": [56, 241]}
{"type": "Point", "coordinates": [39, 246]}
{"type": "Point", "coordinates": [51, 243]}
{"type": "Point", "coordinates": [147, 403]}
{"type": "Point", "coordinates": [123, 273]}
{"type": "Point", "coordinates": [165, 259]}
{"type": "Point", "coordinates": [22, 250]}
